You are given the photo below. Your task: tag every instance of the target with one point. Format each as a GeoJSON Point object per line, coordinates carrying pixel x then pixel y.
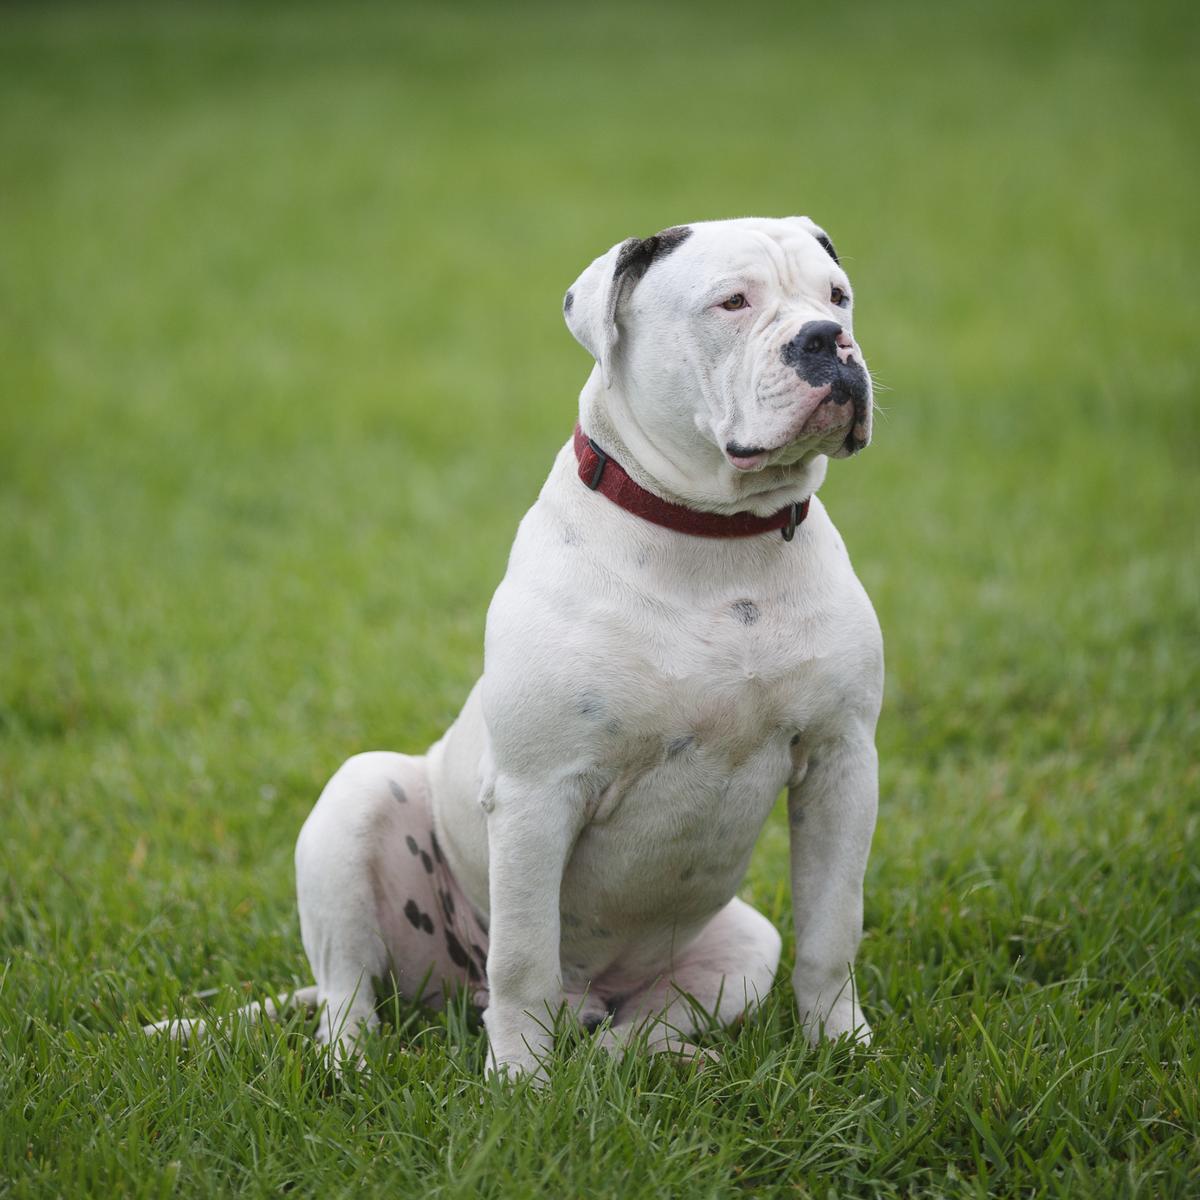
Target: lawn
{"type": "Point", "coordinates": [282, 364]}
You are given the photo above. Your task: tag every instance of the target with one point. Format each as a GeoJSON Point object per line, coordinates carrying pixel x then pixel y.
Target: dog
{"type": "Point", "coordinates": [679, 637]}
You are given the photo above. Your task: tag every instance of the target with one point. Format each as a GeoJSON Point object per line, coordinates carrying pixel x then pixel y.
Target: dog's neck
{"type": "Point", "coordinates": [691, 471]}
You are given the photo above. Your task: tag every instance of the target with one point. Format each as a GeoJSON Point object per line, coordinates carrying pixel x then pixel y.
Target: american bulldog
{"type": "Point", "coordinates": [679, 637]}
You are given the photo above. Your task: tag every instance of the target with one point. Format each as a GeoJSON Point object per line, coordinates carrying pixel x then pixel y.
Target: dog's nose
{"type": "Point", "coordinates": [817, 339]}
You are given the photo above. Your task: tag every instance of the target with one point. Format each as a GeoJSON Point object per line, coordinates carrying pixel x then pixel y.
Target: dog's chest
{"type": "Point", "coordinates": [698, 723]}
{"type": "Point", "coordinates": [681, 691]}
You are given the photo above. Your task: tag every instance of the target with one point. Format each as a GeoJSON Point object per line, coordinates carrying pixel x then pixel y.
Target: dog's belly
{"type": "Point", "coordinates": [673, 827]}
{"type": "Point", "coordinates": [667, 850]}
{"type": "Point", "coordinates": [682, 777]}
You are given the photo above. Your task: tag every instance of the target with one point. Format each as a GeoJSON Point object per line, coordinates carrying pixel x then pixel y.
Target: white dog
{"type": "Point", "coordinates": [679, 637]}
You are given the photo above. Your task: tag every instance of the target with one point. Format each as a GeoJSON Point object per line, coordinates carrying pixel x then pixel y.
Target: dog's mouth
{"type": "Point", "coordinates": [856, 440]}
{"type": "Point", "coordinates": [747, 458]}
{"type": "Point", "coordinates": [838, 417]}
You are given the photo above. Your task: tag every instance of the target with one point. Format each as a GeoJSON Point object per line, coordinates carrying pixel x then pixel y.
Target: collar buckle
{"type": "Point", "coordinates": [601, 463]}
{"type": "Point", "coordinates": [789, 530]}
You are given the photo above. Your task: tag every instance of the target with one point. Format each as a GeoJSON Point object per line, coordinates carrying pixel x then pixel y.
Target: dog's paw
{"type": "Point", "coordinates": [514, 1070]}
{"type": "Point", "coordinates": [518, 1046]}
{"type": "Point", "coordinates": [617, 1039]}
{"type": "Point", "coordinates": [844, 1019]}
{"type": "Point", "coordinates": [685, 1054]}
{"type": "Point", "coordinates": [512, 1064]}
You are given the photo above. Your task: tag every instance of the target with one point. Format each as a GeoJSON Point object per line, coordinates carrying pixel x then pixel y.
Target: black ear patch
{"type": "Point", "coordinates": [828, 247]}
{"type": "Point", "coordinates": [568, 301]}
{"type": "Point", "coordinates": [639, 254]}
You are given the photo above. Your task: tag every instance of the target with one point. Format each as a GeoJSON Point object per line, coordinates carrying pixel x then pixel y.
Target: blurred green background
{"type": "Point", "coordinates": [281, 366]}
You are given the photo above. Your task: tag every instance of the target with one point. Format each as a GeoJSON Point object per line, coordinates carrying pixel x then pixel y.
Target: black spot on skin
{"type": "Point", "coordinates": [427, 922]}
{"type": "Point", "coordinates": [613, 726]}
{"type": "Point", "coordinates": [638, 255]}
{"type": "Point", "coordinates": [411, 843]}
{"type": "Point", "coordinates": [437, 850]}
{"type": "Point", "coordinates": [427, 863]}
{"type": "Point", "coordinates": [827, 245]}
{"type": "Point", "coordinates": [412, 910]}
{"type": "Point", "coordinates": [457, 954]}
{"type": "Point", "coordinates": [745, 611]}
{"type": "Point", "coordinates": [480, 953]}
{"type": "Point", "coordinates": [680, 744]}
{"type": "Point", "coordinates": [589, 705]}
{"type": "Point", "coordinates": [568, 300]}
{"type": "Point", "coordinates": [687, 874]}
{"type": "Point", "coordinates": [447, 904]}
{"type": "Point", "coordinates": [398, 793]}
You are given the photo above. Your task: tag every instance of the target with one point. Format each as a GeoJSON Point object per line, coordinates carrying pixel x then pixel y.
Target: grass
{"type": "Point", "coordinates": [281, 365]}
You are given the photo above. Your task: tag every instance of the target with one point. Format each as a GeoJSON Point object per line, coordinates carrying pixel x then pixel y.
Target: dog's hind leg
{"type": "Point", "coordinates": [376, 898]}
{"type": "Point", "coordinates": [719, 977]}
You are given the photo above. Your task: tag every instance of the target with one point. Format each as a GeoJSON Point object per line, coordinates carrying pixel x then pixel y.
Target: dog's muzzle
{"type": "Point", "coordinates": [823, 355]}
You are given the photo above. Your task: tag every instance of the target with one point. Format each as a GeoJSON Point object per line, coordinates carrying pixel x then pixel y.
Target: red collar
{"type": "Point", "coordinates": [605, 475]}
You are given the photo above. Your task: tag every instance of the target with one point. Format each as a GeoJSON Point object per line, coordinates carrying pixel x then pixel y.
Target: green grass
{"type": "Point", "coordinates": [281, 365]}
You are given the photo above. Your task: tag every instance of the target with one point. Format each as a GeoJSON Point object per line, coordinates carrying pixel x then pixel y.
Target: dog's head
{"type": "Point", "coordinates": [729, 345]}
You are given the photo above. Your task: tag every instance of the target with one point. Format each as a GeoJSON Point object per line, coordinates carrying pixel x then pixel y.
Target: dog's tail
{"type": "Point", "coordinates": [186, 1029]}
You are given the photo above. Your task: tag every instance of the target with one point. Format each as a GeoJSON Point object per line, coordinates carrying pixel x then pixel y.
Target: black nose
{"type": "Point", "coordinates": [817, 339]}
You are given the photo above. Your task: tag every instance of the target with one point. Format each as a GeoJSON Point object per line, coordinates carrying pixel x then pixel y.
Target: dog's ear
{"type": "Point", "coordinates": [592, 302]}
{"type": "Point", "coordinates": [820, 235]}
{"type": "Point", "coordinates": [590, 306]}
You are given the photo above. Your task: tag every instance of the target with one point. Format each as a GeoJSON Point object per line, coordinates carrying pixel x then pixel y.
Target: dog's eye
{"type": "Point", "coordinates": [736, 301]}
{"type": "Point", "coordinates": [838, 297]}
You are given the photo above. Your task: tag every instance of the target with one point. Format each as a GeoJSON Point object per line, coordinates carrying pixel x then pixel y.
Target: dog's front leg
{"type": "Point", "coordinates": [531, 830]}
{"type": "Point", "coordinates": [831, 817]}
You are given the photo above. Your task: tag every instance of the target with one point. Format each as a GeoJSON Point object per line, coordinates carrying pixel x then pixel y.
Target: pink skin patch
{"type": "Point", "coordinates": [747, 462]}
